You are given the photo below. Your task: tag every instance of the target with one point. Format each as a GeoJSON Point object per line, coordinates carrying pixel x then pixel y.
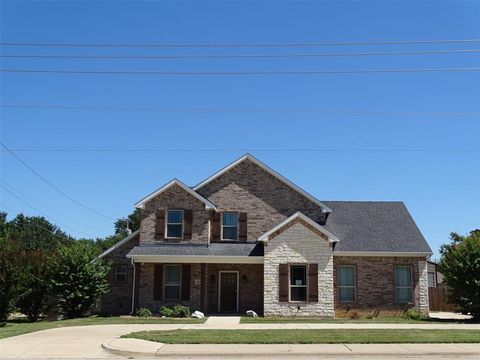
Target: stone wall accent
{"type": "Point", "coordinates": [118, 300]}
{"type": "Point", "coordinates": [298, 245]}
{"type": "Point", "coordinates": [145, 296]}
{"type": "Point", "coordinates": [174, 198]}
{"type": "Point", "coordinates": [375, 284]}
{"type": "Point", "coordinates": [250, 293]}
{"type": "Point", "coordinates": [266, 200]}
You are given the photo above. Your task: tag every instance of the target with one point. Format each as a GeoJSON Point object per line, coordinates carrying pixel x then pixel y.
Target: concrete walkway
{"type": "Point", "coordinates": [86, 341]}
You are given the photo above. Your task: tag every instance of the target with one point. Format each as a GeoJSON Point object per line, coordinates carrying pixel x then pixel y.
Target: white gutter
{"type": "Point", "coordinates": [133, 288]}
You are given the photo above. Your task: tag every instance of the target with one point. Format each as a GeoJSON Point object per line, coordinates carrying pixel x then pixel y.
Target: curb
{"type": "Point", "coordinates": [128, 352]}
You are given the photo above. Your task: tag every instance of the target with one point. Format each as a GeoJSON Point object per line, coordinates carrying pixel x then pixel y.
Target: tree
{"type": "Point", "coordinates": [460, 265]}
{"type": "Point", "coordinates": [78, 278]}
{"type": "Point", "coordinates": [33, 287]}
{"type": "Point", "coordinates": [9, 270]}
{"type": "Point", "coordinates": [133, 221]}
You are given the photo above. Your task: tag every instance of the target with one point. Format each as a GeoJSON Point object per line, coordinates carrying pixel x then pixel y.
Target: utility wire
{"type": "Point", "coordinates": [235, 56]}
{"type": "Point", "coordinates": [43, 214]}
{"type": "Point", "coordinates": [303, 44]}
{"type": "Point", "coordinates": [12, 188]}
{"type": "Point", "coordinates": [240, 110]}
{"type": "Point", "coordinates": [235, 73]}
{"type": "Point", "coordinates": [53, 186]}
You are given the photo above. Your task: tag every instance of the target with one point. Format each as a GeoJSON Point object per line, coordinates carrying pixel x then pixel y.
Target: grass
{"type": "Point", "coordinates": [310, 336]}
{"type": "Point", "coordinates": [377, 320]}
{"type": "Point", "coordinates": [19, 327]}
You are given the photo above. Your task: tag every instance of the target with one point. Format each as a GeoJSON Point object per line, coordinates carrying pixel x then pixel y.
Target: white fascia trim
{"type": "Point", "coordinates": [197, 259]}
{"type": "Point", "coordinates": [272, 172]}
{"type": "Point", "coordinates": [298, 214]}
{"type": "Point", "coordinates": [208, 204]}
{"type": "Point", "coordinates": [118, 244]}
{"type": "Point", "coordinates": [379, 253]}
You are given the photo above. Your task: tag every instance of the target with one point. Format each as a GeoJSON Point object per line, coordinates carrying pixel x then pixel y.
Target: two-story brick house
{"type": "Point", "coordinates": [247, 238]}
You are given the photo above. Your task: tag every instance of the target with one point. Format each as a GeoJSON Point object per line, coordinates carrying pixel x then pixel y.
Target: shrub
{"type": "Point", "coordinates": [144, 312]}
{"type": "Point", "coordinates": [181, 311]}
{"type": "Point", "coordinates": [413, 314]}
{"type": "Point", "coordinates": [354, 315]}
{"type": "Point", "coordinates": [78, 278]}
{"type": "Point", "coordinates": [10, 269]}
{"type": "Point", "coordinates": [166, 311]}
{"type": "Point", "coordinates": [369, 316]}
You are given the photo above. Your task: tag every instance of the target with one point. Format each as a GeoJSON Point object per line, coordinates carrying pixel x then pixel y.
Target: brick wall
{"type": "Point", "coordinates": [266, 200]}
{"type": "Point", "coordinates": [174, 198]}
{"type": "Point", "coordinates": [299, 245]}
{"type": "Point", "coordinates": [375, 284]}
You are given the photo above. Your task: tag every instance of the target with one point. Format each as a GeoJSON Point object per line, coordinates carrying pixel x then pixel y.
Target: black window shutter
{"type": "Point", "coordinates": [187, 221]}
{"type": "Point", "coordinates": [157, 282]}
{"type": "Point", "coordinates": [186, 282]}
{"type": "Point", "coordinates": [283, 282]}
{"type": "Point", "coordinates": [242, 224]}
{"type": "Point", "coordinates": [313, 282]}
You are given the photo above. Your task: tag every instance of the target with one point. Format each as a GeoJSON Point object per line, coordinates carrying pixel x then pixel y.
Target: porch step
{"type": "Point", "coordinates": [220, 321]}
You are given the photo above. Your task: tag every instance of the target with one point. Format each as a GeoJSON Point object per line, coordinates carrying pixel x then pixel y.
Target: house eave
{"type": "Point", "coordinates": [196, 259]}
{"type": "Point", "coordinates": [382, 253]}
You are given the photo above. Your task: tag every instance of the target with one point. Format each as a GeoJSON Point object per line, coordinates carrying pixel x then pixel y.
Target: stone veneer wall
{"type": "Point", "coordinates": [298, 245]}
{"type": "Point", "coordinates": [174, 198]}
{"type": "Point", "coordinates": [118, 300]}
{"type": "Point", "coordinates": [375, 284]}
{"type": "Point", "coordinates": [266, 200]}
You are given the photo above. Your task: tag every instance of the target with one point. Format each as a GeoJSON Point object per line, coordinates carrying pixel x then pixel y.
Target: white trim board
{"type": "Point", "coordinates": [141, 203]}
{"type": "Point", "coordinates": [298, 215]}
{"type": "Point", "coordinates": [197, 259]}
{"type": "Point", "coordinates": [269, 170]}
{"type": "Point", "coordinates": [118, 244]}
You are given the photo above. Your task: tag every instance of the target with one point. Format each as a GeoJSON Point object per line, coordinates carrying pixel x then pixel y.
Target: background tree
{"type": "Point", "coordinates": [78, 278]}
{"type": "Point", "coordinates": [460, 265]}
{"type": "Point", "coordinates": [33, 286]}
{"type": "Point", "coordinates": [133, 221]}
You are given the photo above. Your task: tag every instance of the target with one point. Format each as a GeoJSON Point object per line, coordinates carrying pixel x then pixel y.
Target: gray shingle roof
{"type": "Point", "coordinates": [213, 249]}
{"type": "Point", "coordinates": [370, 226]}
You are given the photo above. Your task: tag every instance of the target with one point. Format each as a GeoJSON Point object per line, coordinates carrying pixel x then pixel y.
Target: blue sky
{"type": "Point", "coordinates": [439, 184]}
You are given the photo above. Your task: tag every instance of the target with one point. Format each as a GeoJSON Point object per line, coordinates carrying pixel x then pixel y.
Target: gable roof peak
{"type": "Point", "coordinates": [253, 159]}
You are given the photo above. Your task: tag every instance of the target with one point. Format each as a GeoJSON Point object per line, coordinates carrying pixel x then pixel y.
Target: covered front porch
{"type": "Point", "coordinates": [202, 277]}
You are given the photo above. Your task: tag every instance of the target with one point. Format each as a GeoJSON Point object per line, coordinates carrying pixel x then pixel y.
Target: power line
{"type": "Point", "coordinates": [41, 213]}
{"type": "Point", "coordinates": [302, 44]}
{"type": "Point", "coordinates": [244, 150]}
{"type": "Point", "coordinates": [235, 56]}
{"type": "Point", "coordinates": [246, 110]}
{"type": "Point", "coordinates": [235, 73]}
{"type": "Point", "coordinates": [53, 186]}
{"type": "Point", "coordinates": [47, 206]}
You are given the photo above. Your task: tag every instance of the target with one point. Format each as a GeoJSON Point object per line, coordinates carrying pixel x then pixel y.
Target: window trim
{"type": "Point", "coordinates": [166, 224]}
{"type": "Point", "coordinates": [348, 286]}
{"type": "Point", "coordinates": [305, 266]}
{"type": "Point", "coordinates": [229, 226]}
{"type": "Point", "coordinates": [179, 282]}
{"type": "Point", "coordinates": [403, 287]}
{"type": "Point", "coordinates": [117, 272]}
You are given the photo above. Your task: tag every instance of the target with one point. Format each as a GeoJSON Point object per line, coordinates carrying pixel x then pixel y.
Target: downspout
{"type": "Point", "coordinates": [133, 287]}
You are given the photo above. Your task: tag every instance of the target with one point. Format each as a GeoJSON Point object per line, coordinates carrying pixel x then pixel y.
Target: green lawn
{"type": "Point", "coordinates": [20, 327]}
{"type": "Point", "coordinates": [303, 336]}
{"type": "Point", "coordinates": [378, 320]}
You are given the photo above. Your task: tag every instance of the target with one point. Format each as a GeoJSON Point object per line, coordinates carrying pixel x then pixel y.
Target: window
{"type": "Point", "coordinates": [403, 284]}
{"type": "Point", "coordinates": [346, 283]}
{"type": "Point", "coordinates": [120, 273]}
{"type": "Point", "coordinates": [229, 226]}
{"type": "Point", "coordinates": [172, 282]}
{"type": "Point", "coordinates": [298, 283]}
{"type": "Point", "coordinates": [174, 223]}
{"type": "Point", "coordinates": [431, 279]}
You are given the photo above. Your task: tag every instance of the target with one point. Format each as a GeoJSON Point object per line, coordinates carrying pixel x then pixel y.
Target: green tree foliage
{"type": "Point", "coordinates": [460, 265]}
{"type": "Point", "coordinates": [133, 221]}
{"type": "Point", "coordinates": [9, 270]}
{"type": "Point", "coordinates": [33, 286]}
{"type": "Point", "coordinates": [78, 278]}
{"type": "Point", "coordinates": [37, 233]}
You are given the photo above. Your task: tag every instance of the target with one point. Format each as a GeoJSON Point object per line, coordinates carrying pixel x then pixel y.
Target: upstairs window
{"type": "Point", "coordinates": [298, 283]}
{"type": "Point", "coordinates": [403, 284]}
{"type": "Point", "coordinates": [174, 223]}
{"type": "Point", "coordinates": [229, 226]}
{"type": "Point", "coordinates": [120, 273]}
{"type": "Point", "coordinates": [346, 283]}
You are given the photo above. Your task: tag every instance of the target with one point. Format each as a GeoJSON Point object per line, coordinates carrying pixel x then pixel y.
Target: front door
{"type": "Point", "coordinates": [228, 291]}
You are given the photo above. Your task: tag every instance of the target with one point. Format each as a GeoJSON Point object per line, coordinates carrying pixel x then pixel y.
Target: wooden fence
{"type": "Point", "coordinates": [437, 297]}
